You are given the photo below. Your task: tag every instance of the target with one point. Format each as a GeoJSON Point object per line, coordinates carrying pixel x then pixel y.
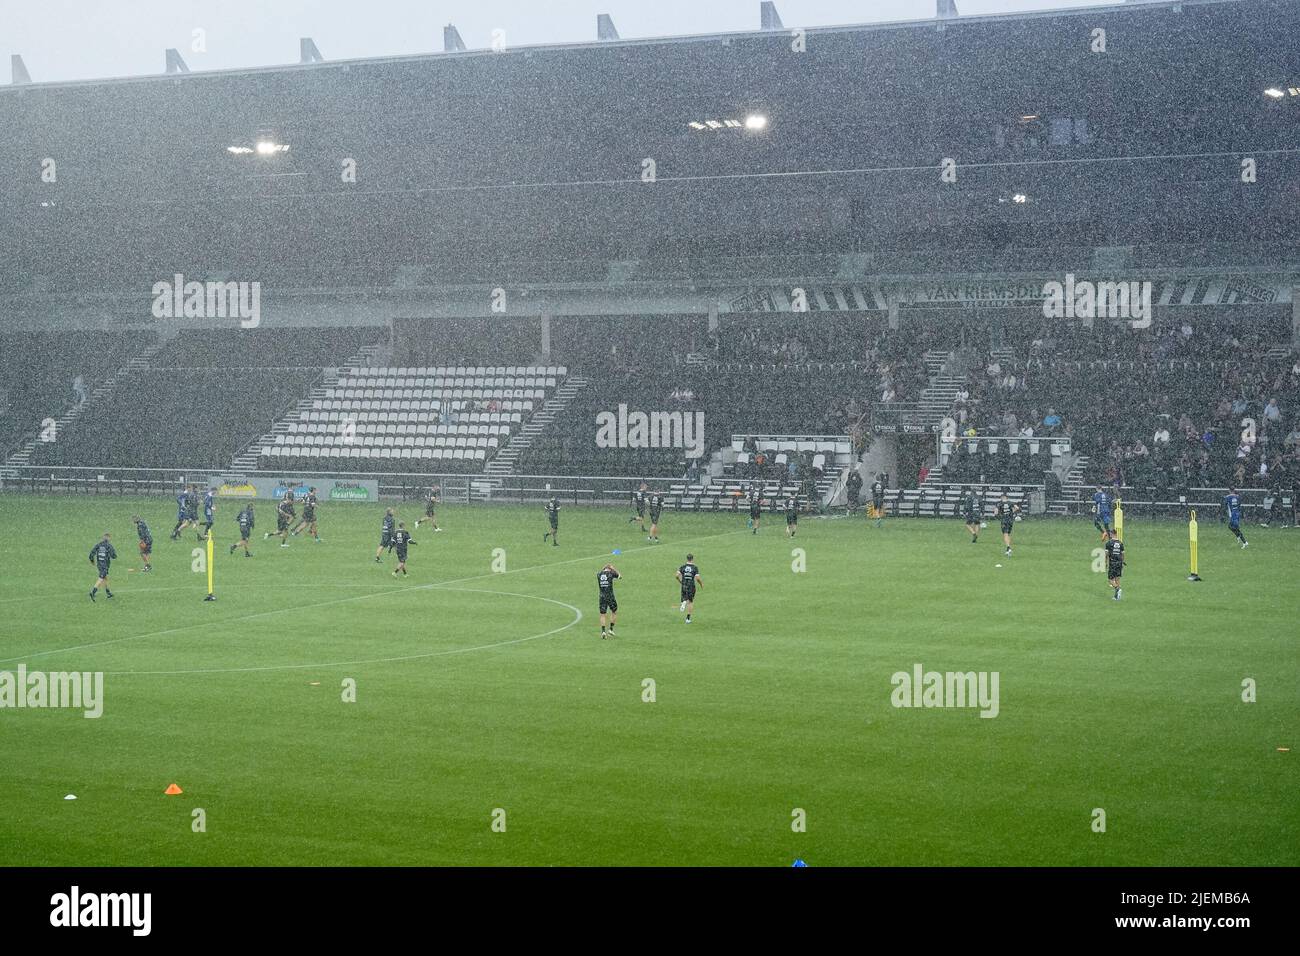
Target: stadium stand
{"type": "Point", "coordinates": [412, 419]}
{"type": "Point", "coordinates": [38, 371]}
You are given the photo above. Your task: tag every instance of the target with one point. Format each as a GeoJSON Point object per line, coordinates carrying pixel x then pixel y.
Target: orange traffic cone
{"type": "Point", "coordinates": [172, 790]}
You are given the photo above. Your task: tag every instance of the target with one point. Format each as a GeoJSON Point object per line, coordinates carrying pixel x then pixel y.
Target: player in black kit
{"type": "Point", "coordinates": [284, 514]}
{"type": "Point", "coordinates": [431, 508]}
{"type": "Point", "coordinates": [401, 538]}
{"type": "Point", "coordinates": [605, 579]}
{"type": "Point", "coordinates": [970, 512]}
{"type": "Point", "coordinates": [146, 541]}
{"type": "Point", "coordinates": [1007, 514]}
{"type": "Point", "coordinates": [638, 500]}
{"type": "Point", "coordinates": [755, 507]}
{"type": "Point", "coordinates": [791, 516]}
{"type": "Point", "coordinates": [656, 509]}
{"type": "Point", "coordinates": [689, 576]}
{"type": "Point", "coordinates": [101, 556]}
{"type": "Point", "coordinates": [878, 500]}
{"type": "Point", "coordinates": [245, 519]}
{"type": "Point", "coordinates": [385, 535]}
{"type": "Point", "coordinates": [308, 519]}
{"type": "Point", "coordinates": [553, 515]}
{"type": "Point", "coordinates": [1115, 561]}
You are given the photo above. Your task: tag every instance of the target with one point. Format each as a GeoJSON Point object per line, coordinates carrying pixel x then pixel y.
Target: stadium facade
{"type": "Point", "coordinates": [501, 229]}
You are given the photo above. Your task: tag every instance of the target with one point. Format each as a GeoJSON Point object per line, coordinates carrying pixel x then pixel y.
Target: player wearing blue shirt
{"type": "Point", "coordinates": [209, 507]}
{"type": "Point", "coordinates": [1232, 508]}
{"type": "Point", "coordinates": [182, 513]}
{"type": "Point", "coordinates": [1101, 511]}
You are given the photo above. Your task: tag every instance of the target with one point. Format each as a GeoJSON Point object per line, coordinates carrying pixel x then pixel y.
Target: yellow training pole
{"type": "Point", "coordinates": [211, 596]}
{"type": "Point", "coordinates": [1119, 519]}
{"type": "Point", "coordinates": [1193, 574]}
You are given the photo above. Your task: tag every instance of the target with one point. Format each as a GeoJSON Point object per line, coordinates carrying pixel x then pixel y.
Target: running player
{"type": "Point", "coordinates": [553, 516]}
{"type": "Point", "coordinates": [1232, 508]}
{"type": "Point", "coordinates": [209, 510]}
{"type": "Point", "coordinates": [308, 519]}
{"type": "Point", "coordinates": [791, 516]}
{"type": "Point", "coordinates": [146, 541]}
{"type": "Point", "coordinates": [283, 518]}
{"type": "Point", "coordinates": [605, 579]}
{"type": "Point", "coordinates": [431, 507]}
{"type": "Point", "coordinates": [192, 506]}
{"type": "Point", "coordinates": [970, 510]}
{"type": "Point", "coordinates": [385, 535]}
{"type": "Point", "coordinates": [401, 538]}
{"type": "Point", "coordinates": [182, 510]}
{"type": "Point", "coordinates": [755, 506]}
{"type": "Point", "coordinates": [878, 500]}
{"type": "Point", "coordinates": [1102, 506]}
{"type": "Point", "coordinates": [101, 556]}
{"type": "Point", "coordinates": [689, 577]}
{"type": "Point", "coordinates": [1007, 513]}
{"type": "Point", "coordinates": [245, 519]}
{"type": "Point", "coordinates": [656, 509]}
{"type": "Point", "coordinates": [1115, 561]}
{"type": "Point", "coordinates": [638, 500]}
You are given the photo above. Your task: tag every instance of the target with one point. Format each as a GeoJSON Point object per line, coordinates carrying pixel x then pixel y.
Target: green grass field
{"type": "Point", "coordinates": [478, 690]}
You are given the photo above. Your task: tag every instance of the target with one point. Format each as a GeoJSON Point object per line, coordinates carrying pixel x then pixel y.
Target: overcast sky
{"type": "Point", "coordinates": [81, 39]}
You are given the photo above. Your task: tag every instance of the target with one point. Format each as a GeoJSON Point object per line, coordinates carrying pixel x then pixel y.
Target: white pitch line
{"type": "Point", "coordinates": [381, 660]}
{"type": "Point", "coordinates": [308, 607]}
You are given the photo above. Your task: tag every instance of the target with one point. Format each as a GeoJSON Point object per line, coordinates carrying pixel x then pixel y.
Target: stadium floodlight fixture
{"type": "Point", "coordinates": [1274, 92]}
{"type": "Point", "coordinates": [755, 121]}
{"type": "Point", "coordinates": [239, 150]}
{"type": "Point", "coordinates": [1020, 198]}
{"type": "Point", "coordinates": [266, 147]}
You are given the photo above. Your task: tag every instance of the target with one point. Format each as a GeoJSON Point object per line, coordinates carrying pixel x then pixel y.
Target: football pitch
{"type": "Point", "coordinates": [491, 725]}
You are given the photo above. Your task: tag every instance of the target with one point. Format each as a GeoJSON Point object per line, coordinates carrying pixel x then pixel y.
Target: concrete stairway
{"type": "Point", "coordinates": [502, 465]}
{"type": "Point", "coordinates": [102, 392]}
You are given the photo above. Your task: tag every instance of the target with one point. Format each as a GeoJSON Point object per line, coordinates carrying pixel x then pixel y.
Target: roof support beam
{"type": "Point", "coordinates": [18, 70]}
{"type": "Point", "coordinates": [605, 29]}
{"type": "Point", "coordinates": [308, 52]}
{"type": "Point", "coordinates": [174, 62]}
{"type": "Point", "coordinates": [451, 41]}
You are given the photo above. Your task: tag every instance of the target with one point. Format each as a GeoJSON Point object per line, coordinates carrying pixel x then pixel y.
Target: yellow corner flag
{"type": "Point", "coordinates": [211, 596]}
{"type": "Point", "coordinates": [1192, 574]}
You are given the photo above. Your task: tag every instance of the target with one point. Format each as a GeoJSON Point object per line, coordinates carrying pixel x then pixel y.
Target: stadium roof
{"type": "Point", "coordinates": [1126, 6]}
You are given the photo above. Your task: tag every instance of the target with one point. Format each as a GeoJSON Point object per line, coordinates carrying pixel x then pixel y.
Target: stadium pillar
{"type": "Point", "coordinates": [768, 18]}
{"type": "Point", "coordinates": [546, 335]}
{"type": "Point", "coordinates": [308, 51]}
{"type": "Point", "coordinates": [1295, 315]}
{"type": "Point", "coordinates": [713, 316]}
{"type": "Point", "coordinates": [18, 70]}
{"type": "Point", "coordinates": [174, 62]}
{"type": "Point", "coordinates": [451, 41]}
{"type": "Point", "coordinates": [893, 311]}
{"type": "Point", "coordinates": [605, 29]}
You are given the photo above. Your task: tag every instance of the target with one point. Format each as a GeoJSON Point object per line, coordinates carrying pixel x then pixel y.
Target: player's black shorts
{"type": "Point", "coordinates": [607, 603]}
{"type": "Point", "coordinates": [1234, 525]}
{"type": "Point", "coordinates": [791, 518]}
{"type": "Point", "coordinates": [401, 555]}
{"type": "Point", "coordinates": [972, 518]}
{"type": "Point", "coordinates": [102, 569]}
{"type": "Point", "coordinates": [244, 531]}
{"type": "Point", "coordinates": [755, 512]}
{"type": "Point", "coordinates": [640, 510]}
{"type": "Point", "coordinates": [878, 503]}
{"type": "Point", "coordinates": [853, 498]}
{"type": "Point", "coordinates": [282, 523]}
{"type": "Point", "coordinates": [146, 547]}
{"type": "Point", "coordinates": [309, 514]}
{"type": "Point", "coordinates": [1006, 527]}
{"type": "Point", "coordinates": [688, 594]}
{"type": "Point", "coordinates": [386, 539]}
{"type": "Point", "coordinates": [555, 523]}
{"type": "Point", "coordinates": [1114, 570]}
{"type": "Point", "coordinates": [654, 517]}
{"type": "Point", "coordinates": [428, 510]}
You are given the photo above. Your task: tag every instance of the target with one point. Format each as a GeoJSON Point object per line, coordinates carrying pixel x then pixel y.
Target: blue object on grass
{"type": "Point", "coordinates": [798, 863]}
